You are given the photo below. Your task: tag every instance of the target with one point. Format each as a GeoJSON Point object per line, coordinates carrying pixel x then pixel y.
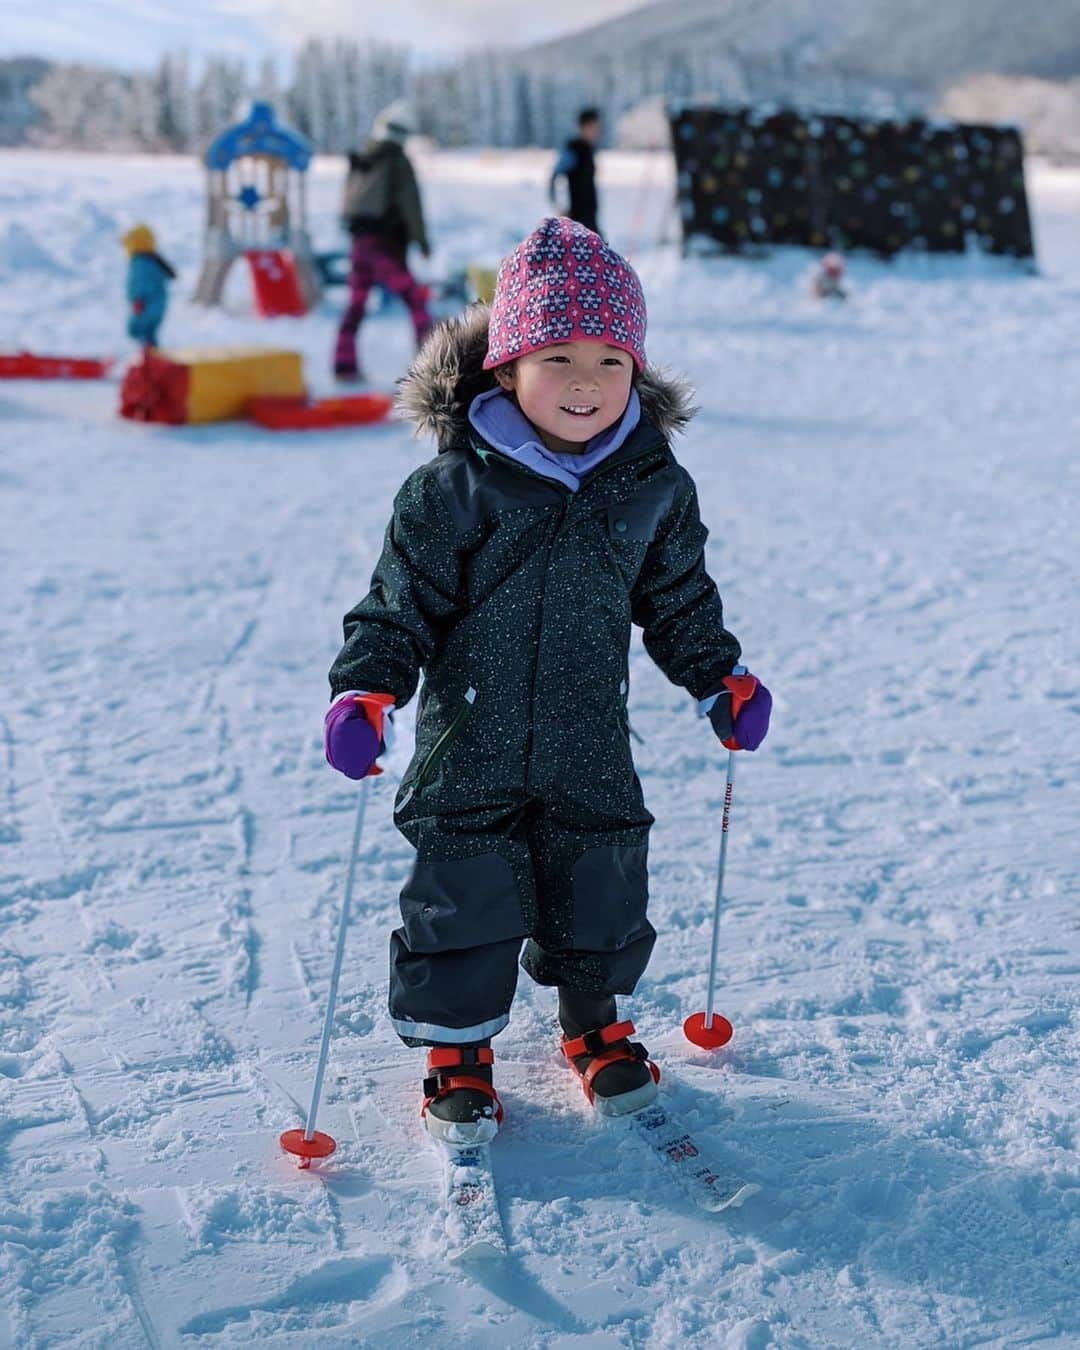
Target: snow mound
{"type": "Point", "coordinates": [251, 1214]}
{"type": "Point", "coordinates": [20, 252]}
{"type": "Point", "coordinates": [57, 1243]}
{"type": "Point", "coordinates": [95, 233]}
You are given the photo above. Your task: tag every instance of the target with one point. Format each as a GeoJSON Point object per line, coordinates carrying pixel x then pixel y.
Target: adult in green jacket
{"type": "Point", "coordinates": [381, 210]}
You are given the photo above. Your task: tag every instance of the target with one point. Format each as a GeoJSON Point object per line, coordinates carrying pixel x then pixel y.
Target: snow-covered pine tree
{"type": "Point", "coordinates": [175, 111]}
{"type": "Point", "coordinates": [82, 108]}
{"type": "Point", "coordinates": [141, 125]}
{"type": "Point", "coordinates": [455, 117]}
{"type": "Point", "coordinates": [267, 87]}
{"type": "Point", "coordinates": [18, 76]}
{"type": "Point", "coordinates": [220, 96]}
{"type": "Point", "coordinates": [523, 122]}
{"type": "Point", "coordinates": [495, 91]}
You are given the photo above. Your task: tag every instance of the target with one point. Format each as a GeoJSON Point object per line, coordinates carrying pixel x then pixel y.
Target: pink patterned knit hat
{"type": "Point", "coordinates": [564, 284]}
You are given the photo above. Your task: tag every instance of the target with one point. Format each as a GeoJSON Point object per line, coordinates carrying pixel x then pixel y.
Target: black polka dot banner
{"type": "Point", "coordinates": [748, 179]}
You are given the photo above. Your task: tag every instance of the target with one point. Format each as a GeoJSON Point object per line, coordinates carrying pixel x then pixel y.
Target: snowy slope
{"type": "Point", "coordinates": [922, 44]}
{"type": "Point", "coordinates": [891, 489]}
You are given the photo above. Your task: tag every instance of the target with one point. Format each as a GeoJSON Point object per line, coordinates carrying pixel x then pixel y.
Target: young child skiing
{"type": "Point", "coordinates": [553, 517]}
{"type": "Point", "coordinates": [148, 280]}
{"type": "Point", "coordinates": [828, 279]}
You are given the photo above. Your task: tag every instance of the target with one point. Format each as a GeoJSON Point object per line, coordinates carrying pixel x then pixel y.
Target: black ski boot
{"type": "Point", "coordinates": [616, 1073]}
{"type": "Point", "coordinates": [460, 1104]}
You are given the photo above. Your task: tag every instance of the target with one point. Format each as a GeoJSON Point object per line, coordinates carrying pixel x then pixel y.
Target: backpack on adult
{"type": "Point", "coordinates": [368, 186]}
{"type": "Point", "coordinates": [381, 197]}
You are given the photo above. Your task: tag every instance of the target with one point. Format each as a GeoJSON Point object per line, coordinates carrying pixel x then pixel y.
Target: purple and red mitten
{"type": "Point", "coordinates": [353, 733]}
{"type": "Point", "coordinates": [740, 712]}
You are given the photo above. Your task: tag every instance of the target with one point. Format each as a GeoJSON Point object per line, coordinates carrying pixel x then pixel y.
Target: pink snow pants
{"type": "Point", "coordinates": [373, 266]}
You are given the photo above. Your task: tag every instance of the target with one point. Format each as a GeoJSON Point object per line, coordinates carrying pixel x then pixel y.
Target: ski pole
{"type": "Point", "coordinates": [707, 1029]}
{"type": "Point", "coordinates": [309, 1142]}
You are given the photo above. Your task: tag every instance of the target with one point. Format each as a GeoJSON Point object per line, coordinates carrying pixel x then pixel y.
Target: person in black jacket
{"type": "Point", "coordinates": [577, 165]}
{"type": "Point", "coordinates": [554, 516]}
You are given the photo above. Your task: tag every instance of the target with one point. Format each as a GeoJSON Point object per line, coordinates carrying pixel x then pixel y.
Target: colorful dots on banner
{"type": "Point", "coordinates": [854, 183]}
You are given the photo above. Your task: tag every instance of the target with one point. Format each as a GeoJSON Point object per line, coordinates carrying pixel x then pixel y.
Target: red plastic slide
{"type": "Point", "coordinates": [29, 366]}
{"type": "Point", "coordinates": [273, 278]}
{"type": "Point", "coordinates": [296, 414]}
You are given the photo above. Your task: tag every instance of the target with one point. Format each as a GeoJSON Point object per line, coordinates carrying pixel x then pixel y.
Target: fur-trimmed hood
{"type": "Point", "coordinates": [448, 374]}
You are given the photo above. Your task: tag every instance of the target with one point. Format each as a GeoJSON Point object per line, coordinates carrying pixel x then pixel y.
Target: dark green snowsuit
{"type": "Point", "coordinates": [515, 597]}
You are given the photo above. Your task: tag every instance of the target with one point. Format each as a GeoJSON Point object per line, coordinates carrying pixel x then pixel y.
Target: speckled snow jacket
{"type": "Point", "coordinates": [515, 597]}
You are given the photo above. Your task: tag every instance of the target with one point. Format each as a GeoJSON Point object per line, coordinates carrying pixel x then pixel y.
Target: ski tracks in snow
{"type": "Point", "coordinates": [886, 486]}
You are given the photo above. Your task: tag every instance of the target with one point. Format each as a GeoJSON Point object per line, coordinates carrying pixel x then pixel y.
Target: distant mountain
{"type": "Point", "coordinates": [806, 48]}
{"type": "Point", "coordinates": [994, 60]}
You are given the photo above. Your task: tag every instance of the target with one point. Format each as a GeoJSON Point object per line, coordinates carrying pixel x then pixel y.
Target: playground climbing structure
{"type": "Point", "coordinates": [257, 208]}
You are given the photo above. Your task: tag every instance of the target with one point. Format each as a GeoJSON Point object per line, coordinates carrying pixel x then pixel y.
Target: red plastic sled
{"type": "Point", "coordinates": [29, 366]}
{"type": "Point", "coordinates": [295, 414]}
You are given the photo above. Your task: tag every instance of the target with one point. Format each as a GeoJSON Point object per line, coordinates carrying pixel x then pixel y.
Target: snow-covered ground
{"type": "Point", "coordinates": [891, 489]}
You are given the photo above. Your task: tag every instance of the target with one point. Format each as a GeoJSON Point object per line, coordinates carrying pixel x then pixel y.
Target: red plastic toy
{"type": "Point", "coordinates": [30, 366]}
{"type": "Point", "coordinates": [297, 414]}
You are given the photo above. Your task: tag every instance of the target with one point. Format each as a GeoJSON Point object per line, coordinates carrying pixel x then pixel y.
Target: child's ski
{"type": "Point", "coordinates": [471, 1227]}
{"type": "Point", "coordinates": [710, 1187]}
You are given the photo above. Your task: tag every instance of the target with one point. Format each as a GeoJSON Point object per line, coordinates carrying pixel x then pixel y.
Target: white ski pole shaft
{"type": "Point", "coordinates": [728, 791]}
{"type": "Point", "coordinates": [335, 974]}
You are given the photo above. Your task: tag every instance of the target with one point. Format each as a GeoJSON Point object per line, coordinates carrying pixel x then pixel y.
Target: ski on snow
{"type": "Point", "coordinates": [471, 1224]}
{"type": "Point", "coordinates": [712, 1188]}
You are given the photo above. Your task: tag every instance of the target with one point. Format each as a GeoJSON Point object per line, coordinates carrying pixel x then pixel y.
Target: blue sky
{"type": "Point", "coordinates": [130, 33]}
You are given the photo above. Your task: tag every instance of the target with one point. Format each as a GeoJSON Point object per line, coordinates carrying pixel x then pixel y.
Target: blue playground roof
{"type": "Point", "coordinates": [259, 134]}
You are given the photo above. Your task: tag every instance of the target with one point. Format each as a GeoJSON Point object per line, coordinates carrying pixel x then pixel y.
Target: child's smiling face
{"type": "Point", "coordinates": [570, 392]}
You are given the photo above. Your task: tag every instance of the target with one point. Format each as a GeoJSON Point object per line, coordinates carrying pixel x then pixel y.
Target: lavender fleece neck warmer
{"type": "Point", "coordinates": [505, 427]}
